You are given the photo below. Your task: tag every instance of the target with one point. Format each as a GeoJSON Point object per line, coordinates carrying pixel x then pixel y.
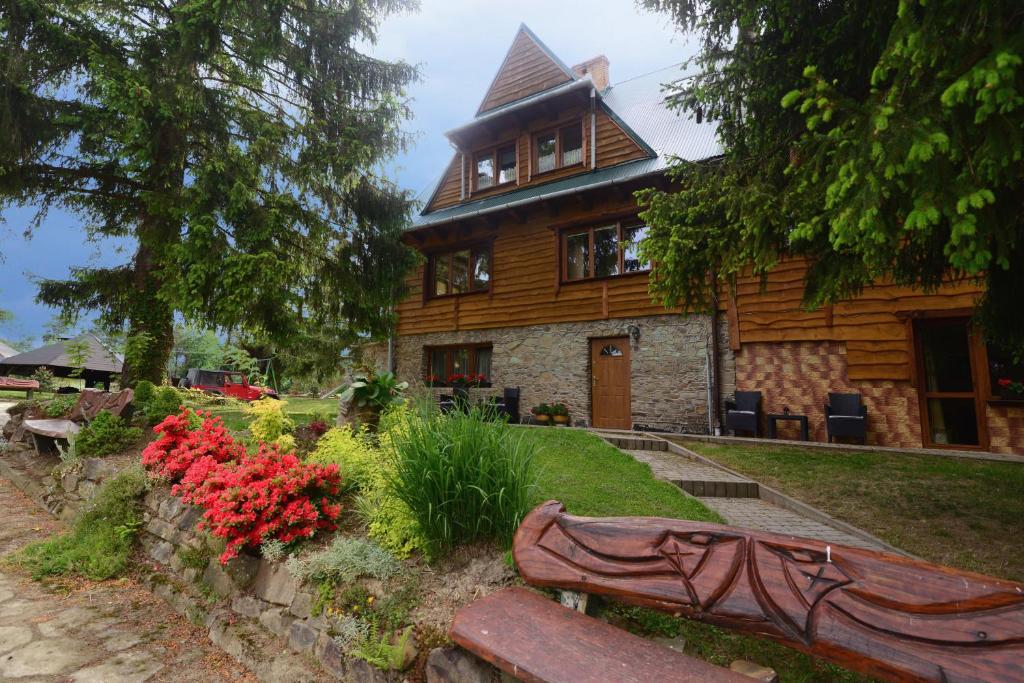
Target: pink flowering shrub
{"type": "Point", "coordinates": [269, 495]}
{"type": "Point", "coordinates": [181, 444]}
{"type": "Point", "coordinates": [248, 498]}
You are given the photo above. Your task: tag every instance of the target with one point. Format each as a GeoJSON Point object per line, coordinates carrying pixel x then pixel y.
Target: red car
{"type": "Point", "coordinates": [226, 383]}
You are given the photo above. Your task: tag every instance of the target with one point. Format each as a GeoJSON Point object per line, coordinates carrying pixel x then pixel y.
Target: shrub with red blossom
{"type": "Point", "coordinates": [181, 444]}
{"type": "Point", "coordinates": [318, 428]}
{"type": "Point", "coordinates": [257, 498]}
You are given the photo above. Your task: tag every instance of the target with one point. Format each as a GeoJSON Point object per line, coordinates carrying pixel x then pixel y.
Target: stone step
{"type": "Point", "coordinates": [719, 489]}
{"type": "Point", "coordinates": [629, 443]}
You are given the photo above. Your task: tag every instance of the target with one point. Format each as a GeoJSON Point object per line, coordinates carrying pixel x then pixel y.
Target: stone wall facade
{"type": "Point", "coordinates": [801, 374]}
{"type": "Point", "coordinates": [551, 363]}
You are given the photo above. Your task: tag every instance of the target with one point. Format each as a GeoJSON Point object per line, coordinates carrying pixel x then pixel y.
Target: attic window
{"type": "Point", "coordinates": [559, 148]}
{"type": "Point", "coordinates": [495, 166]}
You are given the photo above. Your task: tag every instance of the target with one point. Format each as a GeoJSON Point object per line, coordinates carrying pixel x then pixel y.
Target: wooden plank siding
{"type": "Point", "coordinates": [525, 286]}
{"type": "Point", "coordinates": [873, 325]}
{"type": "Point", "coordinates": [614, 147]}
{"type": "Point", "coordinates": [526, 70]}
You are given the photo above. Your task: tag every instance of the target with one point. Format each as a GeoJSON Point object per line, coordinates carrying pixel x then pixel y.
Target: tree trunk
{"type": "Point", "coordinates": [151, 325]}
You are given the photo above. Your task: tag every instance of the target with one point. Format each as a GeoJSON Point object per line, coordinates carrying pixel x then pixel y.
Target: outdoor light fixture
{"type": "Point", "coordinates": [634, 334]}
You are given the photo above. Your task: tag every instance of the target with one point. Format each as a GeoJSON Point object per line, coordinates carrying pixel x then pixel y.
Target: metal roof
{"type": "Point", "coordinates": [98, 358]}
{"type": "Point", "coordinates": [639, 105]}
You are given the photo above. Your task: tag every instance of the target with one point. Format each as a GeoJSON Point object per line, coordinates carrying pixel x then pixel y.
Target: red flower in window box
{"type": "Point", "coordinates": [432, 380]}
{"type": "Point", "coordinates": [458, 378]}
{"type": "Point", "coordinates": [1010, 387]}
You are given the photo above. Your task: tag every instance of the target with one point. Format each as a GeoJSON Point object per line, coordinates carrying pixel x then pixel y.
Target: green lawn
{"type": "Point", "coordinates": [300, 409]}
{"type": "Point", "coordinates": [593, 478]}
{"type": "Point", "coordinates": [958, 512]}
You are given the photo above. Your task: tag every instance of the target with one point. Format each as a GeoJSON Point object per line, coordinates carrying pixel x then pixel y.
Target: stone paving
{"type": "Point", "coordinates": [749, 513]}
{"type": "Point", "coordinates": [91, 632]}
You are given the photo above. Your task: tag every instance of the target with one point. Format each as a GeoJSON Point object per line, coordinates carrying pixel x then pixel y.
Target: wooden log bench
{"type": "Point", "coordinates": [878, 613]}
{"type": "Point", "coordinates": [27, 385]}
{"type": "Point", "coordinates": [46, 433]}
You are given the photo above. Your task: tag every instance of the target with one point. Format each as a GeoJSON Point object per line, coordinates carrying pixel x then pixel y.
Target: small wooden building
{"type": "Point", "coordinates": [100, 363]}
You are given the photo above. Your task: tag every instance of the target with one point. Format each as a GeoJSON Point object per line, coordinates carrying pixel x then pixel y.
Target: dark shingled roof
{"type": "Point", "coordinates": [98, 359]}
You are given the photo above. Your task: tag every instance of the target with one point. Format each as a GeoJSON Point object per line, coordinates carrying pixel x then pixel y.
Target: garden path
{"type": "Point", "coordinates": [717, 489]}
{"type": "Point", "coordinates": [91, 632]}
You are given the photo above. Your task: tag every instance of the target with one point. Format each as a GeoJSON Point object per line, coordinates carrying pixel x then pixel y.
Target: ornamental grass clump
{"type": "Point", "coordinates": [464, 477]}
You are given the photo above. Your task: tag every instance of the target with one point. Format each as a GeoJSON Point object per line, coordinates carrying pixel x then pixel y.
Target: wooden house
{"type": "Point", "coordinates": [532, 277]}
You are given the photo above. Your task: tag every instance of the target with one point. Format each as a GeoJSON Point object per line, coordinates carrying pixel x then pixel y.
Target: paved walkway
{"type": "Point", "coordinates": [92, 632]}
{"type": "Point", "coordinates": [749, 513]}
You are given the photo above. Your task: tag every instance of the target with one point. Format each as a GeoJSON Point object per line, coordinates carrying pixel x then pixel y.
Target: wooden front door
{"type": "Point", "coordinates": [609, 366]}
{"type": "Point", "coordinates": [951, 384]}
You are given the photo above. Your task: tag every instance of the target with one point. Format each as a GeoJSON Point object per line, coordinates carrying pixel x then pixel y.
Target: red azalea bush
{"type": "Point", "coordinates": [181, 444]}
{"type": "Point", "coordinates": [248, 498]}
{"type": "Point", "coordinates": [269, 495]}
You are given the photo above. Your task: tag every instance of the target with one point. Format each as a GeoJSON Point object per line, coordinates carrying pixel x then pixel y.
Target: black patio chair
{"type": "Point", "coordinates": [508, 404]}
{"type": "Point", "coordinates": [744, 413]}
{"type": "Point", "coordinates": [845, 416]}
{"type": "Point", "coordinates": [446, 402]}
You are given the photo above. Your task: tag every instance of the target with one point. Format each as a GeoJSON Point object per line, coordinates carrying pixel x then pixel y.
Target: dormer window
{"type": "Point", "coordinates": [495, 167]}
{"type": "Point", "coordinates": [559, 148]}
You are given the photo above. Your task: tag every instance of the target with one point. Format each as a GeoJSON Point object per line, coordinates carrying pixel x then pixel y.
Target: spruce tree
{"type": "Point", "coordinates": [238, 144]}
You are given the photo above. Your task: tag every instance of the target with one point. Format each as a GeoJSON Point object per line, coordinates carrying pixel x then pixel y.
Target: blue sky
{"type": "Point", "coordinates": [458, 44]}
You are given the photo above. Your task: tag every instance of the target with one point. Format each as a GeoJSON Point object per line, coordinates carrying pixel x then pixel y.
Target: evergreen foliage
{"type": "Point", "coordinates": [880, 139]}
{"type": "Point", "coordinates": [237, 145]}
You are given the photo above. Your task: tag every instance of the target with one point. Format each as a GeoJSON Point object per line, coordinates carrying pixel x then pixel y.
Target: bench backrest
{"type": "Point", "coordinates": [879, 613]}
{"type": "Point", "coordinates": [92, 401]}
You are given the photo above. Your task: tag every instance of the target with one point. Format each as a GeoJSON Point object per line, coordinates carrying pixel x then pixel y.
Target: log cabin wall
{"type": "Point", "coordinates": [614, 146]}
{"type": "Point", "coordinates": [864, 345]}
{"type": "Point", "coordinates": [526, 287]}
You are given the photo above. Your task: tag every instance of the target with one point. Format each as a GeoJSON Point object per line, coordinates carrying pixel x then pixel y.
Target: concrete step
{"type": "Point", "coordinates": [719, 489]}
{"type": "Point", "coordinates": [630, 443]}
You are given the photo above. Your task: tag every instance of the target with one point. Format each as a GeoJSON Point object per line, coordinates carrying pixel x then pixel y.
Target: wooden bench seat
{"type": "Point", "coordinates": [536, 639]}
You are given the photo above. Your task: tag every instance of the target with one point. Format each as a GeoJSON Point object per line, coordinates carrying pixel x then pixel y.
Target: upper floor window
{"type": "Point", "coordinates": [495, 167]}
{"type": "Point", "coordinates": [603, 251]}
{"type": "Point", "coordinates": [560, 147]}
{"type": "Point", "coordinates": [461, 271]}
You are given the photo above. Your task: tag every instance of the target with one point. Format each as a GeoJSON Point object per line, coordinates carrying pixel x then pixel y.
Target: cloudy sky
{"type": "Point", "coordinates": [458, 44]}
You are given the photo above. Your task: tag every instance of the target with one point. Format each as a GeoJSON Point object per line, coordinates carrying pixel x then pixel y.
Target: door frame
{"type": "Point", "coordinates": [629, 382]}
{"type": "Point", "coordinates": [979, 377]}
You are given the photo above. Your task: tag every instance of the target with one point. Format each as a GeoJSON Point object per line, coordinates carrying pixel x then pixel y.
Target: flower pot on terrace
{"type": "Point", "coordinates": [561, 419]}
{"type": "Point", "coordinates": [542, 419]}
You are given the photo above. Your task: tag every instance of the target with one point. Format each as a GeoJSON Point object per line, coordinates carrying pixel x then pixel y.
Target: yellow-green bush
{"type": "Point", "coordinates": [270, 425]}
{"type": "Point", "coordinates": [366, 467]}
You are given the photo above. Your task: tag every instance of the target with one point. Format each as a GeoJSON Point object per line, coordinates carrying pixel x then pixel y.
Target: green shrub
{"type": "Point", "coordinates": [270, 425]}
{"type": "Point", "coordinates": [144, 392]}
{"type": "Point", "coordinates": [166, 401]}
{"type": "Point", "coordinates": [353, 452]}
{"type": "Point", "coordinates": [100, 543]}
{"type": "Point", "coordinates": [463, 477]}
{"type": "Point", "coordinates": [106, 434]}
{"type": "Point", "coordinates": [343, 561]}
{"type": "Point", "coordinates": [44, 376]}
{"type": "Point", "coordinates": [60, 406]}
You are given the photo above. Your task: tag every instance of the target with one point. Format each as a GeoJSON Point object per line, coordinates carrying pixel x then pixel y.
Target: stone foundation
{"type": "Point", "coordinates": [551, 363]}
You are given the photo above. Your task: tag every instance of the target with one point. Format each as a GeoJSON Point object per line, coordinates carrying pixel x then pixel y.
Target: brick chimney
{"type": "Point", "coordinates": [597, 67]}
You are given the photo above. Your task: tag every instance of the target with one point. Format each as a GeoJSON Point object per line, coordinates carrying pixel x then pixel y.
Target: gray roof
{"type": "Point", "coordinates": [7, 351]}
{"type": "Point", "coordinates": [639, 106]}
{"type": "Point", "coordinates": [99, 358]}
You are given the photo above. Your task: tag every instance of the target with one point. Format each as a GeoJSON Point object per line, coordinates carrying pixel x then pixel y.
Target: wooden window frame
{"type": "Point", "coordinates": [621, 226]}
{"type": "Point", "coordinates": [557, 130]}
{"type": "Point", "coordinates": [979, 370]}
{"type": "Point", "coordinates": [450, 349]}
{"type": "Point", "coordinates": [493, 152]}
{"type": "Point", "coordinates": [449, 253]}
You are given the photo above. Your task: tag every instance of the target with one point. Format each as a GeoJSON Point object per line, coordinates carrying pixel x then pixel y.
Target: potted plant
{"type": "Point", "coordinates": [433, 381]}
{"type": "Point", "coordinates": [1010, 389]}
{"type": "Point", "coordinates": [560, 414]}
{"type": "Point", "coordinates": [542, 413]}
{"type": "Point", "coordinates": [370, 393]}
{"type": "Point", "coordinates": [478, 380]}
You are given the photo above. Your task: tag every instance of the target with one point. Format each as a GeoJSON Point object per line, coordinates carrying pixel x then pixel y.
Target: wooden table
{"type": "Point", "coordinates": [775, 417]}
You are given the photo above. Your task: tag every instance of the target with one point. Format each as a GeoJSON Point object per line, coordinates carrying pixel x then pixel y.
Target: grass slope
{"type": "Point", "coordinates": [593, 478]}
{"type": "Point", "coordinates": [957, 512]}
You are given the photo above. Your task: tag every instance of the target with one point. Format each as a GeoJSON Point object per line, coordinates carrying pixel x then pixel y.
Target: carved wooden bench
{"type": "Point", "coordinates": [882, 614]}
